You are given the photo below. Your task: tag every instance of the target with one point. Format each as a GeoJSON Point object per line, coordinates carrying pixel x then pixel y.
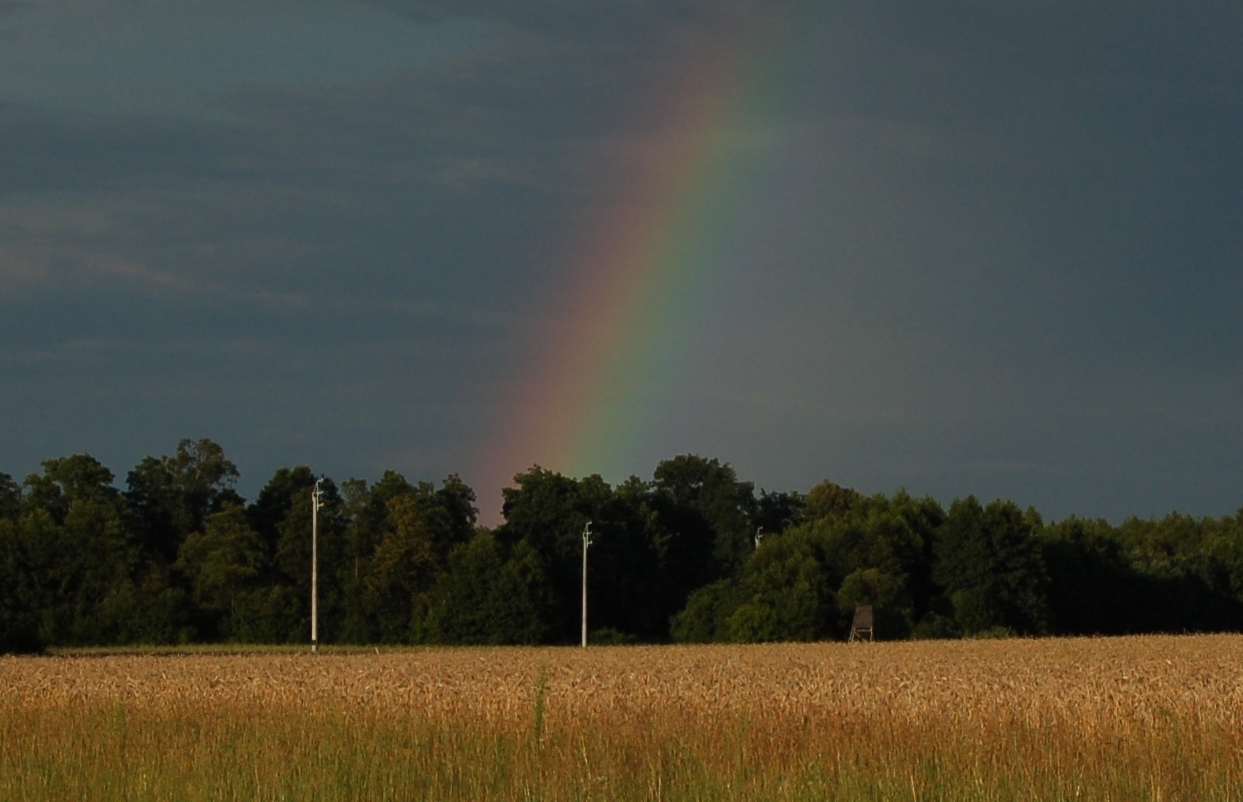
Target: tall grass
{"type": "Point", "coordinates": [1120, 719]}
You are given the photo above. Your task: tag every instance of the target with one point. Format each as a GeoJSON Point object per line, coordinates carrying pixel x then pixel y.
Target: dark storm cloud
{"type": "Point", "coordinates": [43, 151]}
{"type": "Point", "coordinates": [357, 237]}
{"type": "Point", "coordinates": [633, 22]}
{"type": "Point", "coordinates": [994, 249]}
{"type": "Point", "coordinates": [1030, 249]}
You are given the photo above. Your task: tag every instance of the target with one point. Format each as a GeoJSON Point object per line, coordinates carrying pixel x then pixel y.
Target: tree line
{"type": "Point", "coordinates": [692, 555]}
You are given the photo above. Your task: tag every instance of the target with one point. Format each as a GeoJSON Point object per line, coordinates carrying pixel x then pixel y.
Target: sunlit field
{"type": "Point", "coordinates": [1122, 719]}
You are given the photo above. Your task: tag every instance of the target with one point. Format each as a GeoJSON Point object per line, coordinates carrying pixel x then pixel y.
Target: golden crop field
{"type": "Point", "coordinates": [1157, 718]}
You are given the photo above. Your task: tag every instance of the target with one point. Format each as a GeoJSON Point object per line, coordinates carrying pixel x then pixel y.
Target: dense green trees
{"type": "Point", "coordinates": [170, 497]}
{"type": "Point", "coordinates": [491, 596]}
{"type": "Point", "coordinates": [803, 583]}
{"type": "Point", "coordinates": [989, 566]}
{"type": "Point", "coordinates": [692, 555]}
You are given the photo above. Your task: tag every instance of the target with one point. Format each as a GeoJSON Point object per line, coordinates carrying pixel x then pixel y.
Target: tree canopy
{"type": "Point", "coordinates": [693, 554]}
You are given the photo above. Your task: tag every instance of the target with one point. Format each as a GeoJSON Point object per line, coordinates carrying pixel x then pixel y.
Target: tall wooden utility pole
{"type": "Point", "coordinates": [316, 503]}
{"type": "Point", "coordinates": [586, 543]}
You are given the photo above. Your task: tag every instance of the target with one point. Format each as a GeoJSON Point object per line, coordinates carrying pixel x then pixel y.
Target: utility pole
{"type": "Point", "coordinates": [586, 543]}
{"type": "Point", "coordinates": [316, 503]}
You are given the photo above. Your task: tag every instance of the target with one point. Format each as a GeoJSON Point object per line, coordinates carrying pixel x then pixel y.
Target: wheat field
{"type": "Point", "coordinates": [1158, 718]}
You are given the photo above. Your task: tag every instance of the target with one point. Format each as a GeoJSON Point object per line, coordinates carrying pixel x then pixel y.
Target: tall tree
{"type": "Point", "coordinates": [830, 500]}
{"type": "Point", "coordinates": [224, 564]}
{"type": "Point", "coordinates": [786, 595]}
{"type": "Point", "coordinates": [777, 511]}
{"type": "Point", "coordinates": [486, 598]}
{"type": "Point", "coordinates": [403, 571]}
{"type": "Point", "coordinates": [73, 528]}
{"type": "Point", "coordinates": [706, 495]}
{"type": "Point", "coordinates": [20, 604]}
{"type": "Point", "coordinates": [989, 563]}
{"type": "Point", "coordinates": [10, 498]}
{"type": "Point", "coordinates": [548, 513]}
{"type": "Point", "coordinates": [66, 481]}
{"type": "Point", "coordinates": [381, 598]}
{"type": "Point", "coordinates": [1092, 590]}
{"type": "Point", "coordinates": [455, 512]}
{"type": "Point", "coordinates": [171, 496]}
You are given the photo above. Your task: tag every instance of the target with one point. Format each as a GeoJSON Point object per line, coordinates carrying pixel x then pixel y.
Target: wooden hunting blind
{"type": "Point", "coordinates": [861, 627]}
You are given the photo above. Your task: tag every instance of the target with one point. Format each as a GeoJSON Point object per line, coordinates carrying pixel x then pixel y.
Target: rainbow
{"type": "Point", "coordinates": [642, 283]}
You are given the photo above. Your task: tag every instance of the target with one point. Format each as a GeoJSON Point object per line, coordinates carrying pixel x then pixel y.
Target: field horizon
{"type": "Point", "coordinates": [1149, 717]}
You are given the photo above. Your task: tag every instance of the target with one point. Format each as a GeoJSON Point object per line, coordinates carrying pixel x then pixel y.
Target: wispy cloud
{"type": "Point", "coordinates": [116, 57]}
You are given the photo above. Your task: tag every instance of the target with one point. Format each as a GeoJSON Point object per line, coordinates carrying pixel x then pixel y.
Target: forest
{"type": "Point", "coordinates": [692, 555]}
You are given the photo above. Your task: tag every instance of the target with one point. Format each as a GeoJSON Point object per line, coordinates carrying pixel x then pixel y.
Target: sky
{"type": "Point", "coordinates": [988, 247]}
